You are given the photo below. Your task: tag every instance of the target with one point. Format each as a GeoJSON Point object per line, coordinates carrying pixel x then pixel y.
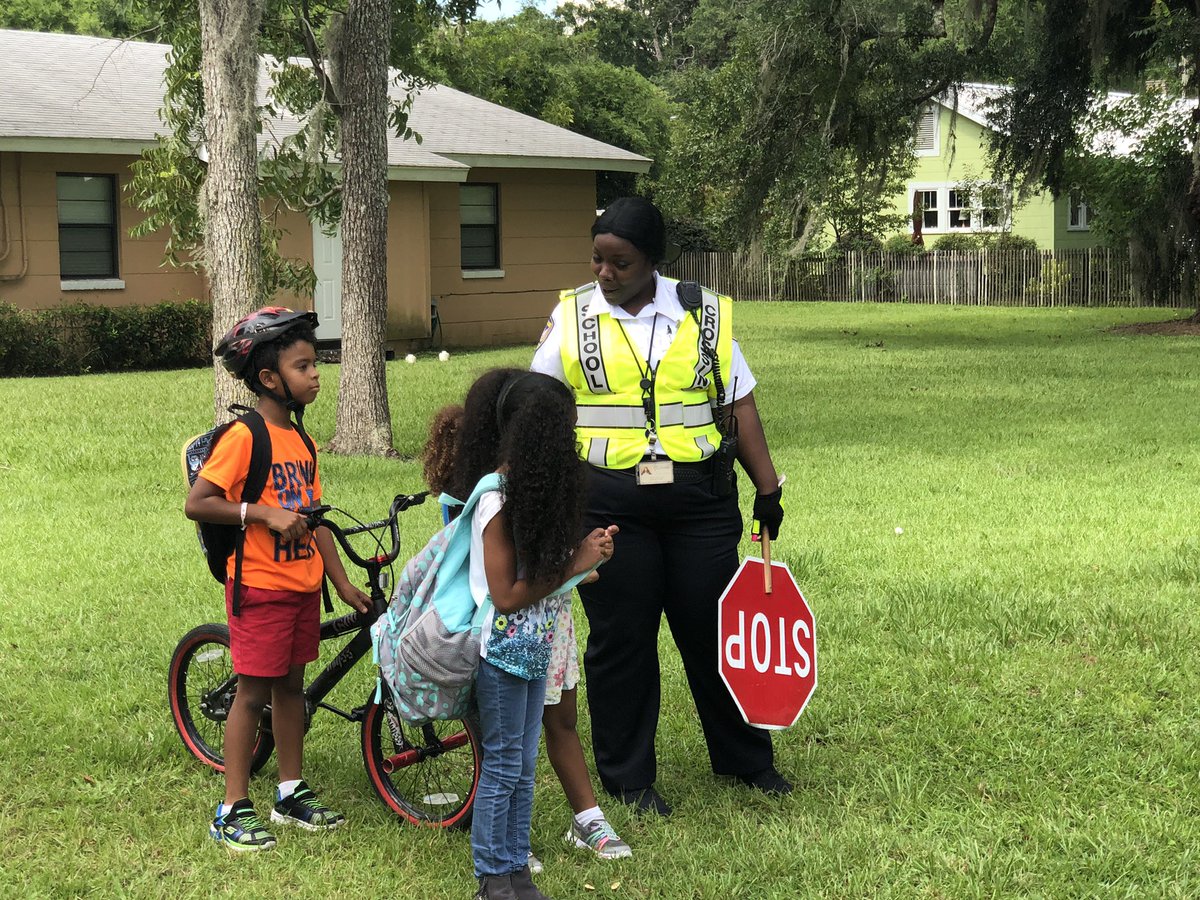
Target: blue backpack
{"type": "Point", "coordinates": [427, 642]}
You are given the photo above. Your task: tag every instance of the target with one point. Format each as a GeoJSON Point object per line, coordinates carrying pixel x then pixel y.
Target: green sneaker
{"type": "Point", "coordinates": [599, 837]}
{"type": "Point", "coordinates": [241, 829]}
{"type": "Point", "coordinates": [303, 809]}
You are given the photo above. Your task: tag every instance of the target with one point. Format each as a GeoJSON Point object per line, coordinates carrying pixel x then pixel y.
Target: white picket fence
{"type": "Point", "coordinates": [1096, 277]}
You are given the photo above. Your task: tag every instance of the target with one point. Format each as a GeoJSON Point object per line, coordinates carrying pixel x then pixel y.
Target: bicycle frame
{"type": "Point", "coordinates": [327, 679]}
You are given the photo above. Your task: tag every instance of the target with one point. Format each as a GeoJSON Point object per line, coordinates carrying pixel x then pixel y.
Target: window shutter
{"type": "Point", "coordinates": [927, 130]}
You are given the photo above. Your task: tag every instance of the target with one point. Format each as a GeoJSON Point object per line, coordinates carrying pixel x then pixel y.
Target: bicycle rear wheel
{"type": "Point", "coordinates": [201, 686]}
{"type": "Point", "coordinates": [426, 774]}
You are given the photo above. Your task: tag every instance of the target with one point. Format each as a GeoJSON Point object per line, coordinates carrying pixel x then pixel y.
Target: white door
{"type": "Point", "coordinates": [327, 298]}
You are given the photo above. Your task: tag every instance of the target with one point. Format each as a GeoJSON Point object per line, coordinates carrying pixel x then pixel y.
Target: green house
{"type": "Point", "coordinates": [951, 189]}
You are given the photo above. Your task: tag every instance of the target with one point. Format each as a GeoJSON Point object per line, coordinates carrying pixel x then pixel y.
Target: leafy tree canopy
{"type": "Point", "coordinates": [530, 64]}
{"type": "Point", "coordinates": [808, 122]}
{"type": "Point", "coordinates": [106, 18]}
{"type": "Point", "coordinates": [1055, 133]}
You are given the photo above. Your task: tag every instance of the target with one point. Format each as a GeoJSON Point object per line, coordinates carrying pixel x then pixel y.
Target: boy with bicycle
{"type": "Point", "coordinates": [273, 605]}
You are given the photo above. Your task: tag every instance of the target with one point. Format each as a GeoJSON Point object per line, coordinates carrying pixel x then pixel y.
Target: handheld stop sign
{"type": "Point", "coordinates": [767, 642]}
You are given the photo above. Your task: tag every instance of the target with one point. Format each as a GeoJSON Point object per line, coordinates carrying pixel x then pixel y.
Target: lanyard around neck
{"type": "Point", "coordinates": [649, 374]}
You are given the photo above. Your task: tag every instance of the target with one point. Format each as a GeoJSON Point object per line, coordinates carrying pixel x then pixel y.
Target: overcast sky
{"type": "Point", "coordinates": [490, 9]}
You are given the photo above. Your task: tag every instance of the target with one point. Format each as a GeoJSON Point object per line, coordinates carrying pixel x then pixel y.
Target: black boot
{"type": "Point", "coordinates": [496, 887]}
{"type": "Point", "coordinates": [522, 883]}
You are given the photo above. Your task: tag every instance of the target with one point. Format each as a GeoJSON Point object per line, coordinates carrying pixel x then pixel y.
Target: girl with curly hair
{"type": "Point", "coordinates": [524, 551]}
{"type": "Point", "coordinates": [589, 828]}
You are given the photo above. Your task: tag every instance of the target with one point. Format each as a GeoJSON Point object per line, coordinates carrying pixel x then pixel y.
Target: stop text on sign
{"type": "Point", "coordinates": [769, 645]}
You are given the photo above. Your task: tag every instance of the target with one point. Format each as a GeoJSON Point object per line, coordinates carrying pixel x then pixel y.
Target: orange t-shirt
{"type": "Point", "coordinates": [268, 561]}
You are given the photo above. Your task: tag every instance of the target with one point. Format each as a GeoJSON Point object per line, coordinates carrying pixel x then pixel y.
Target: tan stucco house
{"type": "Point", "coordinates": [489, 219]}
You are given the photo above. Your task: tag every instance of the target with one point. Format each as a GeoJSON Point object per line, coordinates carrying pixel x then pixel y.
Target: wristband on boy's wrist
{"type": "Point", "coordinates": [244, 505]}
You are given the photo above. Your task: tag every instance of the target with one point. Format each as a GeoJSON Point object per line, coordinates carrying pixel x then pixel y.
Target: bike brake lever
{"type": "Point", "coordinates": [313, 514]}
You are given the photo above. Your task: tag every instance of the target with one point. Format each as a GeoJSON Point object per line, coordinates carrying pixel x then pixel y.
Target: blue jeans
{"type": "Point", "coordinates": [510, 719]}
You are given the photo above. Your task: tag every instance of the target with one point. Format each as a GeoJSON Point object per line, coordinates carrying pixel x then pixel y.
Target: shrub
{"type": "Point", "coordinates": [958, 243]}
{"type": "Point", "coordinates": [82, 337]}
{"type": "Point", "coordinates": [858, 243]}
{"type": "Point", "coordinates": [1007, 242]}
{"type": "Point", "coordinates": [901, 243]}
{"type": "Point", "coordinates": [27, 346]}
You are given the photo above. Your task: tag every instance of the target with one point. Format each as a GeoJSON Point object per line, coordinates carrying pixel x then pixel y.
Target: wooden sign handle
{"type": "Point", "coordinates": [765, 539]}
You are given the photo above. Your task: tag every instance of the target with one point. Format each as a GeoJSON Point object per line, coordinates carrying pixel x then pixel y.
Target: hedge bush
{"type": "Point", "coordinates": [902, 243]}
{"type": "Point", "coordinates": [957, 243]}
{"type": "Point", "coordinates": [1008, 241]}
{"type": "Point", "coordinates": [84, 337]}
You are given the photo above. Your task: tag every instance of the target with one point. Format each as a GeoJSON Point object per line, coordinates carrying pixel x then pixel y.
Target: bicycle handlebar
{"type": "Point", "coordinates": [316, 519]}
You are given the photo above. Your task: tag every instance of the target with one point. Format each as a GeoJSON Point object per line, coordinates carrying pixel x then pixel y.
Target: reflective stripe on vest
{"type": "Point", "coordinates": [691, 415]}
{"type": "Point", "coordinates": [611, 417]}
{"type": "Point", "coordinates": [606, 376]}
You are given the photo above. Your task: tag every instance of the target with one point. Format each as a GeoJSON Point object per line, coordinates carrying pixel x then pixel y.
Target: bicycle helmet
{"type": "Point", "coordinates": [259, 327]}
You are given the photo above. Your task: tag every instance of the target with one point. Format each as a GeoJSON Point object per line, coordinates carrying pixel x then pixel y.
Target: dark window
{"type": "Point", "coordinates": [958, 204]}
{"type": "Point", "coordinates": [87, 226]}
{"type": "Point", "coordinates": [479, 221]}
{"type": "Point", "coordinates": [929, 209]}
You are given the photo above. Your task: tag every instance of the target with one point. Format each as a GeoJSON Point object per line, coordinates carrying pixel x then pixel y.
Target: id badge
{"type": "Point", "coordinates": [655, 471]}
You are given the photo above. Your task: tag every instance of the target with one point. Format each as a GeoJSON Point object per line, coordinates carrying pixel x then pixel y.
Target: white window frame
{"type": "Point", "coordinates": [943, 189]}
{"type": "Point", "coordinates": [937, 209]}
{"type": "Point", "coordinates": [954, 204]}
{"type": "Point", "coordinates": [1076, 204]}
{"type": "Point", "coordinates": [934, 110]}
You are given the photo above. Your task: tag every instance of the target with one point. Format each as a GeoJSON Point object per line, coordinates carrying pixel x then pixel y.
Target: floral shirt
{"type": "Point", "coordinates": [520, 642]}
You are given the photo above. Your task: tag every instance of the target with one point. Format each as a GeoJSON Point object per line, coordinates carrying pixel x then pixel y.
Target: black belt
{"type": "Point", "coordinates": [685, 472]}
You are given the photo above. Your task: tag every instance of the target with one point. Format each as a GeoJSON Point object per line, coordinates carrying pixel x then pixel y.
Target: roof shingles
{"type": "Point", "coordinates": [78, 88]}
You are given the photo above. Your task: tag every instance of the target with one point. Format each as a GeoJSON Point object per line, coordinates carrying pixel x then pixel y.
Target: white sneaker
{"type": "Point", "coordinates": [599, 837]}
{"type": "Point", "coordinates": [535, 864]}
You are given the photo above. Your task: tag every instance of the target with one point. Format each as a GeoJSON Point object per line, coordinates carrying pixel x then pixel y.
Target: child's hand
{"type": "Point", "coordinates": [287, 523]}
{"type": "Point", "coordinates": [591, 576]}
{"type": "Point", "coordinates": [611, 531]}
{"type": "Point", "coordinates": [352, 596]}
{"type": "Point", "coordinates": [594, 549]}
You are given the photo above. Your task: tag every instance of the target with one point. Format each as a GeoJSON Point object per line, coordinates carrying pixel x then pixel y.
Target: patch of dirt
{"type": "Point", "coordinates": [1173, 327]}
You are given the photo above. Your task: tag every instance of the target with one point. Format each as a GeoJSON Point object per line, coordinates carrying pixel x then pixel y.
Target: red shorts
{"type": "Point", "coordinates": [275, 630]}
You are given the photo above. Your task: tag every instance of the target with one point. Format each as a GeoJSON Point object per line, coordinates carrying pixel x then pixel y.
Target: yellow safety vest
{"type": "Point", "coordinates": [606, 375]}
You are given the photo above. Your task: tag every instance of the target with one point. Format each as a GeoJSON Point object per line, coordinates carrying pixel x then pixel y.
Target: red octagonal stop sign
{"type": "Point", "coordinates": [768, 645]}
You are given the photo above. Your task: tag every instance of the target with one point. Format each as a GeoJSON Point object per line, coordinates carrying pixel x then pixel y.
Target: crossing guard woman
{"type": "Point", "coordinates": [665, 402]}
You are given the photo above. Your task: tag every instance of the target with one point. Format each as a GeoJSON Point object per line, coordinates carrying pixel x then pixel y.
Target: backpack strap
{"type": "Point", "coordinates": [256, 482]}
{"type": "Point", "coordinates": [312, 451]}
{"type": "Point", "coordinates": [491, 482]}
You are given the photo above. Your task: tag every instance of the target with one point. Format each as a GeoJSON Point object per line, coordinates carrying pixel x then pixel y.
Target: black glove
{"type": "Point", "coordinates": [768, 510]}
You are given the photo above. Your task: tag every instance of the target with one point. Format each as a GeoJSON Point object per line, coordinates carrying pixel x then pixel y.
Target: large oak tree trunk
{"type": "Point", "coordinates": [232, 232]}
{"type": "Point", "coordinates": [364, 423]}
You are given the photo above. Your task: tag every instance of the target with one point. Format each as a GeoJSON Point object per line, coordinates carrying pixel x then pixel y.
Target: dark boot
{"type": "Point", "coordinates": [496, 887]}
{"type": "Point", "coordinates": [522, 883]}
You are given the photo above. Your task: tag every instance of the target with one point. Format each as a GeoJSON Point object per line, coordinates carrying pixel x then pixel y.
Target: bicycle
{"type": "Point", "coordinates": [426, 774]}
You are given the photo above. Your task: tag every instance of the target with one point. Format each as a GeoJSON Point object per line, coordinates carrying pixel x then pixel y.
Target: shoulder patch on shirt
{"type": "Point", "coordinates": [546, 331]}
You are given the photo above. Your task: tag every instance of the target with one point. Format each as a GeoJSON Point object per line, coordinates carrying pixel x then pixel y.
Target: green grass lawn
{"type": "Point", "coordinates": [1007, 701]}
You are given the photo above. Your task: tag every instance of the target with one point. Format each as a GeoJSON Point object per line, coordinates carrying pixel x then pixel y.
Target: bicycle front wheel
{"type": "Point", "coordinates": [426, 774]}
{"type": "Point", "coordinates": [201, 686]}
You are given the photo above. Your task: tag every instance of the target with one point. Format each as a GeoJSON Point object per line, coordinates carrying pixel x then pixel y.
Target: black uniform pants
{"type": "Point", "coordinates": [676, 551]}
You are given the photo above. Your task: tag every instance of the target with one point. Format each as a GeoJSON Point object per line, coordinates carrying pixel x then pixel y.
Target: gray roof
{"type": "Point", "coordinates": [973, 101]}
{"type": "Point", "coordinates": [64, 93]}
